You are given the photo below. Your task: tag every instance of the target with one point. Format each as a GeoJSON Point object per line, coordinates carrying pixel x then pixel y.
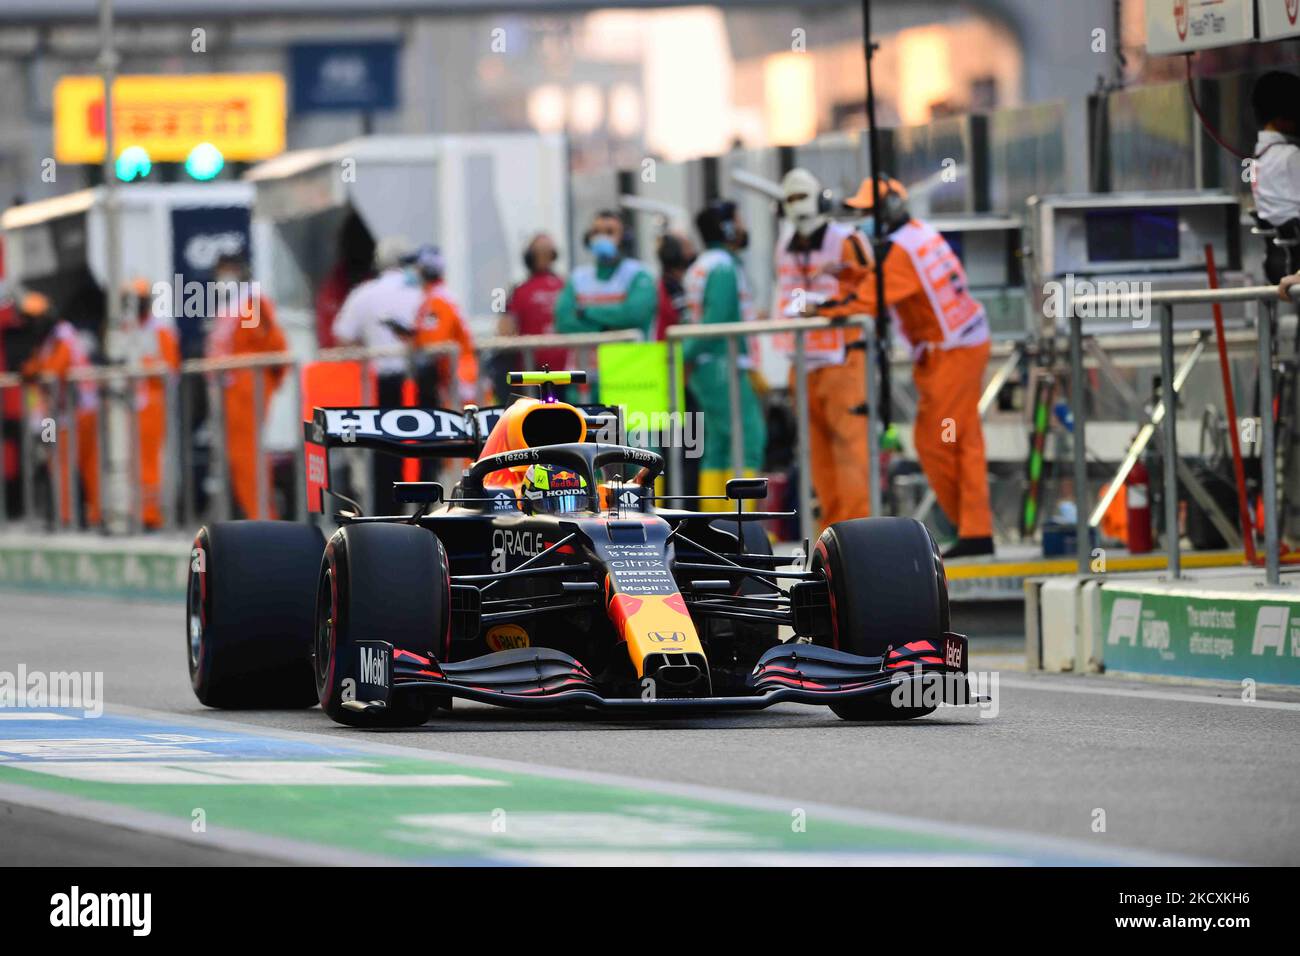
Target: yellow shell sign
{"type": "Point", "coordinates": [242, 114]}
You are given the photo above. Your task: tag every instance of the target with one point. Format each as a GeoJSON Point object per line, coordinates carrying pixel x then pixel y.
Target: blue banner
{"type": "Point", "coordinates": [344, 76]}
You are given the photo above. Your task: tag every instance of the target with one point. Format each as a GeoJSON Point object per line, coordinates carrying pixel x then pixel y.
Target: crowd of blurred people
{"type": "Point", "coordinates": [402, 305]}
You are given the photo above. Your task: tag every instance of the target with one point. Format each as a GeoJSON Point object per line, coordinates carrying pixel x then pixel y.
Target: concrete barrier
{"type": "Point", "coordinates": [146, 568]}
{"type": "Point", "coordinates": [1222, 625]}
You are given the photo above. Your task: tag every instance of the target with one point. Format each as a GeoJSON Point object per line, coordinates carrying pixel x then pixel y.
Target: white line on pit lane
{"type": "Point", "coordinates": [1067, 685]}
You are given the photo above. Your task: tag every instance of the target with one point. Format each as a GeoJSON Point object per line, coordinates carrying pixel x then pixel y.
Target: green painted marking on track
{"type": "Point", "coordinates": [330, 794]}
{"type": "Point", "coordinates": [523, 813]}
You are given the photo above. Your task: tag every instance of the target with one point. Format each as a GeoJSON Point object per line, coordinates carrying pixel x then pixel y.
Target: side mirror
{"type": "Point", "coordinates": [747, 489]}
{"type": "Point", "coordinates": [417, 492]}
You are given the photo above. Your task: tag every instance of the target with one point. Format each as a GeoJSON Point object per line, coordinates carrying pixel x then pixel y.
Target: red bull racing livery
{"type": "Point", "coordinates": [551, 577]}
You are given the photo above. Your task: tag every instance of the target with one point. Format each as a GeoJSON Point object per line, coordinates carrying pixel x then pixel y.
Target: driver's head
{"type": "Point", "coordinates": [554, 489]}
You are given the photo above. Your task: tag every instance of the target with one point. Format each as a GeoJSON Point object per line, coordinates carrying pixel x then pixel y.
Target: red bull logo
{"type": "Point", "coordinates": [1181, 18]}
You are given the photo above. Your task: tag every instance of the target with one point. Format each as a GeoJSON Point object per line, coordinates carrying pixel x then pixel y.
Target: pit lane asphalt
{"type": "Point", "coordinates": [1180, 769]}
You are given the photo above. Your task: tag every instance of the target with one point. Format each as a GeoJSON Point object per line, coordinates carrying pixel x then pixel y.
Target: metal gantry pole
{"type": "Point", "coordinates": [112, 245]}
{"type": "Point", "coordinates": [1170, 426]}
{"type": "Point", "coordinates": [733, 402]}
{"type": "Point", "coordinates": [1083, 542]}
{"type": "Point", "coordinates": [1268, 454]}
{"type": "Point", "coordinates": [804, 455]}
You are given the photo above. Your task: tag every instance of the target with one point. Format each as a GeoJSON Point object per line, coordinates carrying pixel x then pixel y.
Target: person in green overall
{"type": "Point", "coordinates": [612, 293]}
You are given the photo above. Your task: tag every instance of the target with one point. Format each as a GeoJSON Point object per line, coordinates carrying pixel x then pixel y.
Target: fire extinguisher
{"type": "Point", "coordinates": [1137, 502]}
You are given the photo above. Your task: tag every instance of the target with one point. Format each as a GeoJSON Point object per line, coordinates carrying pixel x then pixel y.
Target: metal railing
{"type": "Point", "coordinates": [799, 328]}
{"type": "Point", "coordinates": [118, 426]}
{"type": "Point", "coordinates": [1263, 302]}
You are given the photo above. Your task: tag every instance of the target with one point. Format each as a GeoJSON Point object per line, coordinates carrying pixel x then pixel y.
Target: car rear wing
{"type": "Point", "coordinates": [415, 433]}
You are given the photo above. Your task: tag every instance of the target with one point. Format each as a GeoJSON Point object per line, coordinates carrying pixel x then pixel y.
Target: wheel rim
{"type": "Point", "coordinates": [195, 617]}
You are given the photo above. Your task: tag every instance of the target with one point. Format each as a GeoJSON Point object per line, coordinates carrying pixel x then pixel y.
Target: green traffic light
{"type": "Point", "coordinates": [133, 163]}
{"type": "Point", "coordinates": [204, 162]}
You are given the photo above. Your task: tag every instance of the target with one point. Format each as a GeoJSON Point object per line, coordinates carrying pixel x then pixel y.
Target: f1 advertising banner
{"type": "Point", "coordinates": [1279, 19]}
{"type": "Point", "coordinates": [1181, 26]}
{"type": "Point", "coordinates": [1217, 636]}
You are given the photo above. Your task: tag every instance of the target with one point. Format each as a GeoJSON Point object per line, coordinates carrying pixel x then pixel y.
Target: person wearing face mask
{"type": "Point", "coordinates": [613, 292]}
{"type": "Point", "coordinates": [931, 306]}
{"type": "Point", "coordinates": [61, 351]}
{"type": "Point", "coordinates": [717, 291]}
{"type": "Point", "coordinates": [245, 324]}
{"type": "Point", "coordinates": [818, 259]}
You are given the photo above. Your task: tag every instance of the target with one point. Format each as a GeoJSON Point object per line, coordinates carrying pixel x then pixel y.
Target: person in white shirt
{"type": "Point", "coordinates": [1276, 181]}
{"type": "Point", "coordinates": [378, 313]}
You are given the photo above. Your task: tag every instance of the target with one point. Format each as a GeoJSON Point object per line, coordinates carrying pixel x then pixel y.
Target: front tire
{"type": "Point", "coordinates": [250, 610]}
{"type": "Point", "coordinates": [379, 582]}
{"type": "Point", "coordinates": [887, 589]}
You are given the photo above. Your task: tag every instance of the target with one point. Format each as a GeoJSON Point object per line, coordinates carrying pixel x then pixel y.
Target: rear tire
{"type": "Point", "coordinates": [250, 611]}
{"type": "Point", "coordinates": [887, 589]}
{"type": "Point", "coordinates": [379, 582]}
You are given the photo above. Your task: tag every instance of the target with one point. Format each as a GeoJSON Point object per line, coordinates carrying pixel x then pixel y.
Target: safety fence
{"type": "Point", "coordinates": [1262, 305]}
{"type": "Point", "coordinates": [190, 492]}
{"type": "Point", "coordinates": [193, 424]}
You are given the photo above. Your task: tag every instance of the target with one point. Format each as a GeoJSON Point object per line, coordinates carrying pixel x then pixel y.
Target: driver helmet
{"type": "Point", "coordinates": [554, 489]}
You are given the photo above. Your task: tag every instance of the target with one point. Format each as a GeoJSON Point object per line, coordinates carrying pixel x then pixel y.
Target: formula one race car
{"type": "Point", "coordinates": [549, 578]}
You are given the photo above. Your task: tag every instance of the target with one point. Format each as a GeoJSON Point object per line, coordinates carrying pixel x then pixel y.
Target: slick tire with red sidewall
{"type": "Point", "coordinates": [887, 589]}
{"type": "Point", "coordinates": [250, 613]}
{"type": "Point", "coordinates": [379, 582]}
